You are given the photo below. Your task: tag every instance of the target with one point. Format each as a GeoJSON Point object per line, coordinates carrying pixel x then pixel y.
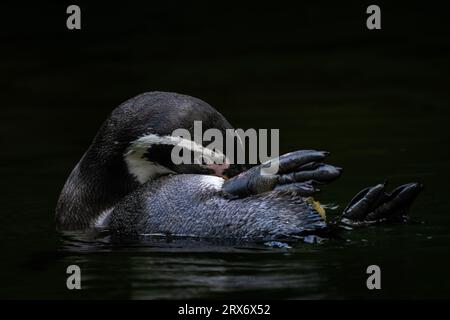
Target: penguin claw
{"type": "Point", "coordinates": [293, 160]}
{"type": "Point", "coordinates": [363, 202]}
{"type": "Point", "coordinates": [319, 172]}
{"type": "Point", "coordinates": [298, 171]}
{"type": "Point", "coordinates": [374, 204]}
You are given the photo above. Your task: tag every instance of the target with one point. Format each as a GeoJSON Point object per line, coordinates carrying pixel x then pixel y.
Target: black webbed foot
{"type": "Point", "coordinates": [300, 171]}
{"type": "Point", "coordinates": [375, 205]}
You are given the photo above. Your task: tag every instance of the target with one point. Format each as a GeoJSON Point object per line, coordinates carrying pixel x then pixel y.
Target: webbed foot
{"type": "Point", "coordinates": [375, 205]}
{"type": "Point", "coordinates": [300, 171]}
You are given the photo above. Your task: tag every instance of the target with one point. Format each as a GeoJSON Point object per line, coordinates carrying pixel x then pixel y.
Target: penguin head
{"type": "Point", "coordinates": [154, 155]}
{"type": "Point", "coordinates": [137, 139]}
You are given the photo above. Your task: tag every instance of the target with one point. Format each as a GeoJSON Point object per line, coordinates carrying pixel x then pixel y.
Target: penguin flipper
{"type": "Point", "coordinates": [300, 171]}
{"type": "Point", "coordinates": [376, 205]}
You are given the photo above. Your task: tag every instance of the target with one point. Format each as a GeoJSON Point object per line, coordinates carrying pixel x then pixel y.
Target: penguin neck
{"type": "Point", "coordinates": [91, 191]}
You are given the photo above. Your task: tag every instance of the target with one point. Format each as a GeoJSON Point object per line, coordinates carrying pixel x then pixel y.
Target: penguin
{"type": "Point", "coordinates": [127, 183]}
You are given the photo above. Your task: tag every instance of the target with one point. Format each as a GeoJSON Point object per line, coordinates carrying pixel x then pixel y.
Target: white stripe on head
{"type": "Point", "coordinates": [141, 168]}
{"type": "Point", "coordinates": [145, 170]}
{"type": "Point", "coordinates": [147, 141]}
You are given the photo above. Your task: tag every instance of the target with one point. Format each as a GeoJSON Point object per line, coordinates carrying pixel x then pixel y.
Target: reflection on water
{"type": "Point", "coordinates": [192, 268]}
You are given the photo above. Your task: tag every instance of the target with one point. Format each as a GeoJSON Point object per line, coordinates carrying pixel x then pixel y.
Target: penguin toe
{"type": "Point", "coordinates": [299, 171]}
{"type": "Point", "coordinates": [375, 205]}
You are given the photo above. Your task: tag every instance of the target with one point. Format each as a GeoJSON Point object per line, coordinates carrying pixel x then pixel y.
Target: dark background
{"type": "Point", "coordinates": [379, 100]}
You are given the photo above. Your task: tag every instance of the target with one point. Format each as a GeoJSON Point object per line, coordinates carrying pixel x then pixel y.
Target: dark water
{"type": "Point", "coordinates": [379, 103]}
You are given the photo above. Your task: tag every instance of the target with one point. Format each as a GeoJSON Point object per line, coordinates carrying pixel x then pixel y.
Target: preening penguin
{"type": "Point", "coordinates": [127, 182]}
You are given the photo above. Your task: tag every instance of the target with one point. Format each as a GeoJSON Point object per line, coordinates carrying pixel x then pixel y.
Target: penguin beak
{"type": "Point", "coordinates": [213, 163]}
{"type": "Point", "coordinates": [218, 169]}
